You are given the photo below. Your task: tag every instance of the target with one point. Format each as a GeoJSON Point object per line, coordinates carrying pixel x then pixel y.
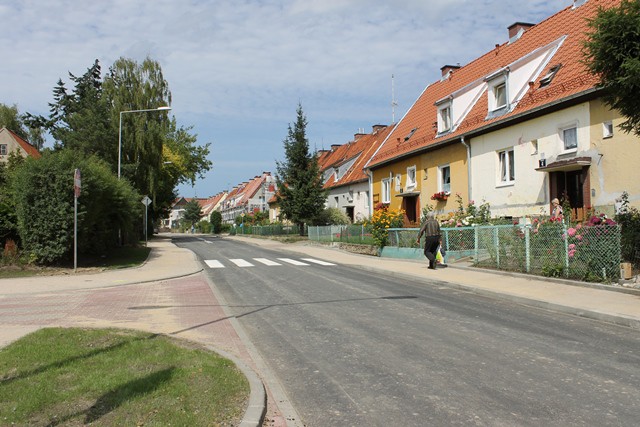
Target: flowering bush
{"type": "Point", "coordinates": [471, 215]}
{"type": "Point", "coordinates": [383, 219]}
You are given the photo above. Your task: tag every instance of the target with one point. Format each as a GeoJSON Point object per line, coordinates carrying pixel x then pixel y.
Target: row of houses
{"type": "Point", "coordinates": [517, 127]}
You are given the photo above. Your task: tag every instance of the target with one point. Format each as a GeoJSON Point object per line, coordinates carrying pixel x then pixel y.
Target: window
{"type": "Point", "coordinates": [570, 138]}
{"type": "Point", "coordinates": [445, 179]}
{"type": "Point", "coordinates": [507, 166]}
{"type": "Point", "coordinates": [3, 149]}
{"type": "Point", "coordinates": [366, 199]}
{"type": "Point", "coordinates": [410, 134]}
{"type": "Point", "coordinates": [546, 80]}
{"type": "Point", "coordinates": [534, 147]}
{"type": "Point", "coordinates": [607, 129]}
{"type": "Point", "coordinates": [386, 190]}
{"type": "Point", "coordinates": [444, 119]}
{"type": "Point", "coordinates": [398, 182]}
{"type": "Point", "coordinates": [500, 96]}
{"type": "Point", "coordinates": [411, 178]}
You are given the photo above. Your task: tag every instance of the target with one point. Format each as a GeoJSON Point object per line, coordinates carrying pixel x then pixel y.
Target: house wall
{"type": "Point", "coordinates": [354, 196]}
{"type": "Point", "coordinates": [615, 164]}
{"type": "Point", "coordinates": [529, 193]}
{"type": "Point", "coordinates": [11, 146]}
{"type": "Point", "coordinates": [454, 155]}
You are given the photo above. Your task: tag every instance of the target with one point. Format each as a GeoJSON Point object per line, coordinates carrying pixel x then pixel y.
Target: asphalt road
{"type": "Point", "coordinates": [354, 348]}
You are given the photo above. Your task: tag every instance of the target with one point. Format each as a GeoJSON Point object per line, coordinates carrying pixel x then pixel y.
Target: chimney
{"type": "Point", "coordinates": [378, 128]}
{"type": "Point", "coordinates": [449, 68]}
{"type": "Point", "coordinates": [514, 29]}
{"type": "Point", "coordinates": [360, 134]}
{"type": "Point", "coordinates": [335, 146]}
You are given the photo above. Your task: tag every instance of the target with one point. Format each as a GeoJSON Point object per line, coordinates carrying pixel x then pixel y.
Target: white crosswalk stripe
{"type": "Point", "coordinates": [213, 263]}
{"type": "Point", "coordinates": [317, 261]}
{"type": "Point", "coordinates": [267, 261]}
{"type": "Point", "coordinates": [239, 262]}
{"type": "Point", "coordinates": [292, 261]}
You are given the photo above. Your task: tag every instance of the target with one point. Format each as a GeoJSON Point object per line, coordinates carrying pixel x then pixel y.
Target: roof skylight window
{"type": "Point", "coordinates": [546, 80]}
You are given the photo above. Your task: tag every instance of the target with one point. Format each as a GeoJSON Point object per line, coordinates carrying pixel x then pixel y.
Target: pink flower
{"type": "Point", "coordinates": [578, 227]}
{"type": "Point", "coordinates": [572, 246]}
{"type": "Point", "coordinates": [579, 236]}
{"type": "Point", "coordinates": [572, 231]}
{"type": "Point", "coordinates": [572, 253]}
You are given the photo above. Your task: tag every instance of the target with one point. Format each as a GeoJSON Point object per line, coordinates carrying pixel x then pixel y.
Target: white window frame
{"type": "Point", "coordinates": [563, 137]}
{"type": "Point", "coordinates": [386, 190]}
{"type": "Point", "coordinates": [506, 167]}
{"type": "Point", "coordinates": [398, 182]}
{"type": "Point", "coordinates": [607, 129]}
{"type": "Point", "coordinates": [442, 185]}
{"type": "Point", "coordinates": [445, 118]}
{"type": "Point", "coordinates": [494, 103]}
{"type": "Point", "coordinates": [412, 178]}
{"type": "Point", "coordinates": [4, 148]}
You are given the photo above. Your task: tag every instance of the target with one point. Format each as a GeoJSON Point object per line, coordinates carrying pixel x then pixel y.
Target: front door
{"type": "Point", "coordinates": [410, 207]}
{"type": "Point", "coordinates": [572, 186]}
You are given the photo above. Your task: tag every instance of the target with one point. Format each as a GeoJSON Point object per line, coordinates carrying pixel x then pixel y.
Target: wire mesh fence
{"type": "Point", "coordinates": [587, 253]}
{"type": "Point", "coordinates": [358, 234]}
{"type": "Point", "coordinates": [267, 230]}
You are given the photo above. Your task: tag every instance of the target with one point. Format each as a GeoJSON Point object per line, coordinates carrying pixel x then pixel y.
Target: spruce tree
{"type": "Point", "coordinates": [300, 195]}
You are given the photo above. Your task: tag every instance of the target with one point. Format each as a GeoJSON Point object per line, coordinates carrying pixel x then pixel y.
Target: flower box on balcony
{"type": "Point", "coordinates": [441, 195]}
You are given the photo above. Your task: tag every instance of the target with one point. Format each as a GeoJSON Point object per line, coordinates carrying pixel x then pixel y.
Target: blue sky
{"type": "Point", "coordinates": [237, 69]}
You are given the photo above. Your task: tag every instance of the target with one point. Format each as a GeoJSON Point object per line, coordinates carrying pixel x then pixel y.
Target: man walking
{"type": "Point", "coordinates": [431, 230]}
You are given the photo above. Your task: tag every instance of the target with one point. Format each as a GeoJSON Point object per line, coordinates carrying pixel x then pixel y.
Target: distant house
{"type": "Point", "coordinates": [177, 210]}
{"type": "Point", "coordinates": [249, 197]}
{"type": "Point", "coordinates": [343, 176]}
{"type": "Point", "coordinates": [518, 126]}
{"type": "Point", "coordinates": [10, 142]}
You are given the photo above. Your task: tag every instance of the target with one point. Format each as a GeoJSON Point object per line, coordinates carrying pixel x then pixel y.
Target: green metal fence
{"type": "Point", "coordinates": [358, 234]}
{"type": "Point", "coordinates": [588, 253]}
{"type": "Point", "coordinates": [267, 230]}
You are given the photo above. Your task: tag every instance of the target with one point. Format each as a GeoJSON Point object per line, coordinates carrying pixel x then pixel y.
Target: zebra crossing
{"type": "Point", "coordinates": [253, 262]}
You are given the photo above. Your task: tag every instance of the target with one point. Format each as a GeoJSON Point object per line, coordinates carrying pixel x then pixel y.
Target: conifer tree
{"type": "Point", "coordinates": [300, 195]}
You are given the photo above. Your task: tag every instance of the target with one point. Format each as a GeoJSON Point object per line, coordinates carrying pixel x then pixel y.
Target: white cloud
{"type": "Point", "coordinates": [252, 61]}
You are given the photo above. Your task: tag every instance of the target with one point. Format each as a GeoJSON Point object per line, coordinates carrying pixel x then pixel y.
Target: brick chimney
{"type": "Point", "coordinates": [449, 68]}
{"type": "Point", "coordinates": [515, 28]}
{"type": "Point", "coordinates": [378, 128]}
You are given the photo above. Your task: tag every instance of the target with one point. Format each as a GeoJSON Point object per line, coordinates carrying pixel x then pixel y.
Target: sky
{"type": "Point", "coordinates": [237, 69]}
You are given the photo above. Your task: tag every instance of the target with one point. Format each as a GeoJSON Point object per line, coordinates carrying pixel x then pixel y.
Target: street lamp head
{"type": "Point", "coordinates": [166, 107]}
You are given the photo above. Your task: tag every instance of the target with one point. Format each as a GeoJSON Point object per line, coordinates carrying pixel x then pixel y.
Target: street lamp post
{"type": "Point", "coordinates": [165, 108]}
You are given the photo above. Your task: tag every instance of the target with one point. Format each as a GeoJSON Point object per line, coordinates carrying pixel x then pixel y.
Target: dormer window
{"type": "Point", "coordinates": [498, 93]}
{"type": "Point", "coordinates": [444, 118]}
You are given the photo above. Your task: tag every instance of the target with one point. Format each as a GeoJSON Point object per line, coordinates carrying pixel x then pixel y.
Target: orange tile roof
{"type": "Point", "coordinates": [362, 148]}
{"type": "Point", "coordinates": [26, 146]}
{"type": "Point", "coordinates": [567, 27]}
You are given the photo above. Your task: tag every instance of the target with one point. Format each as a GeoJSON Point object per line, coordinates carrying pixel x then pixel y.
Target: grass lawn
{"type": "Point", "coordinates": [118, 258]}
{"type": "Point", "coordinates": [111, 377]}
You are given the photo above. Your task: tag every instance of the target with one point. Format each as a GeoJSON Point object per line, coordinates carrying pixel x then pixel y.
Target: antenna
{"type": "Point", "coordinates": [394, 103]}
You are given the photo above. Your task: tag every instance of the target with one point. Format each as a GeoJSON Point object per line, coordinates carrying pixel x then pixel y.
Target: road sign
{"type": "Point", "coordinates": [146, 201]}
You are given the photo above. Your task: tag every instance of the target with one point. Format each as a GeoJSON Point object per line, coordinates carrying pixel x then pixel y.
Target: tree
{"type": "Point", "coordinates": [300, 193]}
{"type": "Point", "coordinates": [11, 119]}
{"type": "Point", "coordinates": [216, 221]}
{"type": "Point", "coordinates": [612, 52]}
{"type": "Point", "coordinates": [192, 211]}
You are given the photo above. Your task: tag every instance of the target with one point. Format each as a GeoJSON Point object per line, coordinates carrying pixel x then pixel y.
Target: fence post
{"type": "Point", "coordinates": [496, 240]}
{"type": "Point", "coordinates": [475, 244]}
{"type": "Point", "coordinates": [527, 249]}
{"type": "Point", "coordinates": [566, 249]}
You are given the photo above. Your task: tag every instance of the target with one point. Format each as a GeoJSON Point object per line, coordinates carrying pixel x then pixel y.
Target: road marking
{"type": "Point", "coordinates": [241, 262]}
{"type": "Point", "coordinates": [213, 263]}
{"type": "Point", "coordinates": [317, 261]}
{"type": "Point", "coordinates": [292, 261]}
{"type": "Point", "coordinates": [267, 261]}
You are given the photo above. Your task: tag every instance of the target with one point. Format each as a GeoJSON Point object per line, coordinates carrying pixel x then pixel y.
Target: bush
{"type": "Point", "coordinates": [216, 222]}
{"type": "Point", "coordinates": [44, 203]}
{"type": "Point", "coordinates": [332, 216]}
{"type": "Point", "coordinates": [382, 220]}
{"type": "Point", "coordinates": [629, 219]}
